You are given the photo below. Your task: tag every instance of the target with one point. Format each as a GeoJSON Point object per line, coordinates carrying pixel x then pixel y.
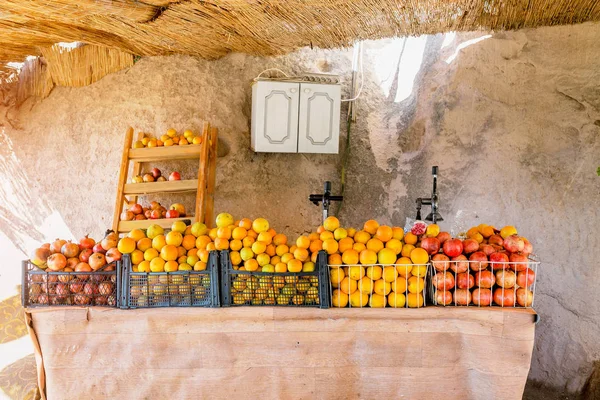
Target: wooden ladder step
{"type": "Point", "coordinates": [187, 152]}
{"type": "Point", "coordinates": [188, 185]}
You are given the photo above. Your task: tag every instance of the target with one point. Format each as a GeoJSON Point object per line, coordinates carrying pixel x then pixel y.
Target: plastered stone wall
{"type": "Point", "coordinates": [513, 122]}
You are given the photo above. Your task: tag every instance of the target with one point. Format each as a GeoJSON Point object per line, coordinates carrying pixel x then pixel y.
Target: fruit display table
{"type": "Point", "coordinates": [277, 353]}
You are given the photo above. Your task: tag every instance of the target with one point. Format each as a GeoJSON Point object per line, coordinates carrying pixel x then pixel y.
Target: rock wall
{"type": "Point", "coordinates": [512, 120]}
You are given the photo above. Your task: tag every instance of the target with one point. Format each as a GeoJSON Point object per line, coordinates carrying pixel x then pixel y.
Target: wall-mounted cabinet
{"type": "Point", "coordinates": [295, 117]}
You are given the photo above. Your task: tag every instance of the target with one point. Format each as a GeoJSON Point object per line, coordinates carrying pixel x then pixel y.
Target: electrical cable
{"type": "Point", "coordinates": [362, 76]}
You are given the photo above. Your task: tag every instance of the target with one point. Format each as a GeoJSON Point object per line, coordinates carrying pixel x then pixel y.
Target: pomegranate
{"type": "Point", "coordinates": [418, 228]}
{"type": "Point", "coordinates": [442, 237]}
{"type": "Point", "coordinates": [45, 246]}
{"type": "Point", "coordinates": [42, 299]}
{"type": "Point", "coordinates": [148, 178]}
{"type": "Point", "coordinates": [172, 214]}
{"type": "Point", "coordinates": [155, 214]}
{"type": "Point", "coordinates": [505, 278]}
{"type": "Point", "coordinates": [487, 249]}
{"type": "Point", "coordinates": [76, 286]}
{"type": "Point", "coordinates": [98, 249]}
{"type": "Point", "coordinates": [56, 262]}
{"type": "Point", "coordinates": [482, 297]}
{"type": "Point", "coordinates": [66, 277]}
{"type": "Point", "coordinates": [499, 260]}
{"type": "Point", "coordinates": [528, 248]}
{"type": "Point", "coordinates": [504, 297]}
{"type": "Point", "coordinates": [70, 250]}
{"type": "Point", "coordinates": [111, 300]}
{"type": "Point", "coordinates": [443, 281]}
{"type": "Point", "coordinates": [83, 267]}
{"type": "Point", "coordinates": [85, 255]}
{"type": "Point", "coordinates": [443, 297]}
{"type": "Point", "coordinates": [470, 246]}
{"type": "Point", "coordinates": [113, 255]}
{"type": "Point", "coordinates": [524, 297]}
{"type": "Point", "coordinates": [40, 256]}
{"type": "Point", "coordinates": [97, 261]}
{"type": "Point", "coordinates": [140, 217]}
{"type": "Point", "coordinates": [465, 281]}
{"type": "Point", "coordinates": [440, 262]}
{"type": "Point", "coordinates": [109, 241]}
{"type": "Point", "coordinates": [526, 278]}
{"type": "Point", "coordinates": [91, 289]}
{"type": "Point", "coordinates": [459, 264]}
{"type": "Point", "coordinates": [518, 261]}
{"type": "Point", "coordinates": [154, 205]}
{"type": "Point", "coordinates": [514, 244]}
{"type": "Point", "coordinates": [127, 216]}
{"type": "Point", "coordinates": [496, 240]}
{"type": "Point", "coordinates": [105, 288]}
{"type": "Point", "coordinates": [86, 243]}
{"type": "Point", "coordinates": [57, 245]}
{"type": "Point", "coordinates": [478, 260]}
{"type": "Point", "coordinates": [50, 278]}
{"type": "Point", "coordinates": [62, 290]}
{"type": "Point", "coordinates": [136, 209]}
{"type": "Point", "coordinates": [485, 279]}
{"type": "Point", "coordinates": [462, 297]}
{"type": "Point", "coordinates": [430, 244]}
{"type": "Point", "coordinates": [147, 214]}
{"type": "Point", "coordinates": [81, 299]}
{"type": "Point", "coordinates": [453, 247]}
{"type": "Point", "coordinates": [72, 262]}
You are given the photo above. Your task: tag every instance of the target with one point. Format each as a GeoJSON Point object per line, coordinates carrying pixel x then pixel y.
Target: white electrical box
{"type": "Point", "coordinates": [295, 117]}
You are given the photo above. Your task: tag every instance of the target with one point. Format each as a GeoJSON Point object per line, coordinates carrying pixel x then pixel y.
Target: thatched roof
{"type": "Point", "coordinates": [212, 28]}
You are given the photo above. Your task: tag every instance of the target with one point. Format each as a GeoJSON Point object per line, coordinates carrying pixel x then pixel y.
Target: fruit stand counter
{"type": "Point", "coordinates": [283, 353]}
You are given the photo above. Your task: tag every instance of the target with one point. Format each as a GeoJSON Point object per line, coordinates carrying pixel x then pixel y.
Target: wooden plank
{"type": "Point", "coordinates": [147, 154]}
{"type": "Point", "coordinates": [122, 178]}
{"type": "Point", "coordinates": [183, 186]}
{"type": "Point", "coordinates": [202, 175]}
{"type": "Point", "coordinates": [137, 166]}
{"type": "Point", "coordinates": [126, 226]}
{"type": "Point", "coordinates": [209, 216]}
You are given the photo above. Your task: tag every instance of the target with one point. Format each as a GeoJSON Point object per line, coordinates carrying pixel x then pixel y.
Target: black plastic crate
{"type": "Point", "coordinates": [170, 289]}
{"type": "Point", "coordinates": [288, 289]}
{"type": "Point", "coordinates": [45, 288]}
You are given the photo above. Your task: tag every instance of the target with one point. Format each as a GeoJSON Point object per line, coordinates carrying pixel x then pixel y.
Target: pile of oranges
{"type": "Point", "coordinates": [170, 138]}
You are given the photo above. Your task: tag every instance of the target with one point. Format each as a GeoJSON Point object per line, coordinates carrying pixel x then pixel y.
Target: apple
{"type": "Point", "coordinates": [148, 178]}
{"type": "Point", "coordinates": [485, 279]}
{"type": "Point", "coordinates": [161, 179]}
{"type": "Point", "coordinates": [154, 205]}
{"type": "Point", "coordinates": [155, 173]}
{"type": "Point", "coordinates": [459, 264]}
{"type": "Point", "coordinates": [453, 247]}
{"type": "Point", "coordinates": [478, 260]}
{"type": "Point", "coordinates": [526, 278]}
{"type": "Point", "coordinates": [136, 209]}
{"type": "Point", "coordinates": [470, 246]}
{"type": "Point", "coordinates": [524, 297]}
{"type": "Point", "coordinates": [504, 297]}
{"type": "Point", "coordinates": [175, 176]}
{"type": "Point", "coordinates": [482, 297]}
{"type": "Point", "coordinates": [499, 260]}
{"type": "Point", "coordinates": [443, 281]}
{"type": "Point", "coordinates": [440, 262]}
{"type": "Point", "coordinates": [518, 261]}
{"type": "Point", "coordinates": [431, 245]}
{"type": "Point", "coordinates": [506, 278]}
{"type": "Point", "coordinates": [127, 216]}
{"type": "Point", "coordinates": [178, 207]}
{"type": "Point", "coordinates": [172, 214]}
{"type": "Point", "coordinates": [443, 297]}
{"type": "Point", "coordinates": [137, 179]}
{"type": "Point", "coordinates": [462, 297]}
{"type": "Point", "coordinates": [514, 244]}
{"type": "Point", "coordinates": [465, 281]}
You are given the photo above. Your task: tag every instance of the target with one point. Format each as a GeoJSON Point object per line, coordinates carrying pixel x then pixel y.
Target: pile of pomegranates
{"type": "Point", "coordinates": [136, 211]}
{"type": "Point", "coordinates": [489, 267]}
{"type": "Point", "coordinates": [64, 272]}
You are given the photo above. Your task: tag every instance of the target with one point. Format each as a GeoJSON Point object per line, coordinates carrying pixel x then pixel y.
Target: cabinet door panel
{"type": "Point", "coordinates": [319, 119]}
{"type": "Point", "coordinates": [275, 117]}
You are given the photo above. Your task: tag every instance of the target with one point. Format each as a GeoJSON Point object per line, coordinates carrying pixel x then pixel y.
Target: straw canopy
{"type": "Point", "coordinates": [212, 28]}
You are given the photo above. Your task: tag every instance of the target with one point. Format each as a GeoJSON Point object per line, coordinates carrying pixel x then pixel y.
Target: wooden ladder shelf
{"type": "Point", "coordinates": [204, 186]}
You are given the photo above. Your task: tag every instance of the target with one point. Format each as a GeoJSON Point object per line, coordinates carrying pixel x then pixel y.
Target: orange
{"type": "Point", "coordinates": [394, 244]}
{"type": "Point", "coordinates": [157, 265]}
{"type": "Point", "coordinates": [144, 266]}
{"type": "Point", "coordinates": [348, 285]}
{"type": "Point", "coordinates": [293, 249]}
{"type": "Point", "coordinates": [263, 259]}
{"type": "Point", "coordinates": [419, 256]}
{"type": "Point", "coordinates": [224, 233]}
{"type": "Point", "coordinates": [171, 266]}
{"type": "Point", "coordinates": [203, 255]}
{"type": "Point", "coordinates": [397, 233]}
{"type": "Point", "coordinates": [235, 257]}
{"type": "Point", "coordinates": [410, 238]}
{"type": "Point", "coordinates": [136, 234]}
{"type": "Point", "coordinates": [487, 231]}
{"type": "Point", "coordinates": [336, 275]}
{"type": "Point", "coordinates": [221, 244]}
{"type": "Point", "coordinates": [330, 246]}
{"type": "Point", "coordinates": [275, 260]}
{"type": "Point", "coordinates": [265, 237]}
{"type": "Point", "coordinates": [350, 257]}
{"type": "Point", "coordinates": [144, 244]}
{"type": "Point", "coordinates": [169, 253]}
{"type": "Point", "coordinates": [181, 251]}
{"type": "Point", "coordinates": [326, 235]}
{"type": "Point", "coordinates": [287, 257]}
{"type": "Point", "coordinates": [279, 239]}
{"type": "Point", "coordinates": [213, 233]}
{"type": "Point", "coordinates": [362, 237]}
{"type": "Point", "coordinates": [404, 266]}
{"type": "Point", "coordinates": [368, 257]}
{"type": "Point", "coordinates": [375, 245]}
{"type": "Point", "coordinates": [259, 247]}
{"type": "Point", "coordinates": [415, 300]}
{"type": "Point", "coordinates": [200, 266]}
{"type": "Point", "coordinates": [334, 259]}
{"type": "Point", "coordinates": [396, 300]}
{"type": "Point", "coordinates": [189, 242]}
{"type": "Point", "coordinates": [159, 242]}
{"type": "Point", "coordinates": [313, 236]}
{"type": "Point", "coordinates": [419, 270]}
{"type": "Point", "coordinates": [331, 224]}
{"type": "Point", "coordinates": [371, 226]}
{"type": "Point", "coordinates": [351, 232]}
{"type": "Point", "coordinates": [251, 265]}
{"type": "Point", "coordinates": [150, 254]}
{"type": "Point", "coordinates": [345, 244]}
{"type": "Point", "coordinates": [235, 245]}
{"type": "Point", "coordinates": [281, 249]}
{"type": "Point", "coordinates": [301, 254]}
{"type": "Point", "coordinates": [126, 245]}
{"type": "Point", "coordinates": [294, 265]}
{"type": "Point", "coordinates": [359, 247]}
{"type": "Point", "coordinates": [374, 272]}
{"type": "Point", "coordinates": [251, 233]}
{"type": "Point", "coordinates": [407, 249]}
{"type": "Point", "coordinates": [308, 266]}
{"type": "Point", "coordinates": [416, 284]}
{"type": "Point", "coordinates": [137, 256]}
{"type": "Point", "coordinates": [270, 250]}
{"type": "Point", "coordinates": [473, 231]}
{"type": "Point", "coordinates": [175, 238]}
{"type": "Point", "coordinates": [365, 285]}
{"type": "Point", "coordinates": [480, 227]}
{"type": "Point", "coordinates": [303, 242]}
{"type": "Point", "coordinates": [390, 274]}
{"type": "Point", "coordinates": [508, 231]}
{"type": "Point", "coordinates": [202, 241]}
{"type": "Point", "coordinates": [239, 233]}
{"type": "Point", "coordinates": [248, 241]}
{"type": "Point", "coordinates": [340, 233]}
{"type": "Point", "coordinates": [359, 299]}
{"type": "Point", "coordinates": [377, 301]}
{"type": "Point", "coordinates": [386, 256]}
{"type": "Point", "coordinates": [478, 236]}
{"type": "Point", "coordinates": [182, 259]}
{"type": "Point", "coordinates": [281, 267]}
{"type": "Point", "coordinates": [356, 272]}
{"type": "Point", "coordinates": [384, 233]}
{"type": "Point", "coordinates": [260, 225]}
{"type": "Point", "coordinates": [320, 229]}
{"type": "Point", "coordinates": [245, 223]}
{"type": "Point", "coordinates": [339, 299]}
{"type": "Point", "coordinates": [246, 254]}
{"type": "Point", "coordinates": [432, 230]}
{"type": "Point", "coordinates": [382, 287]}
{"type": "Point", "coordinates": [399, 285]}
{"type": "Point", "coordinates": [315, 245]}
{"type": "Point", "coordinates": [192, 252]}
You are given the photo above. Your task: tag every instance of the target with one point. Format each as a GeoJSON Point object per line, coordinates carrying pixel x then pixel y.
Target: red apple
{"type": "Point", "coordinates": [526, 278]}
{"type": "Point", "coordinates": [172, 214]}
{"type": "Point", "coordinates": [496, 240]}
{"type": "Point", "coordinates": [442, 237]}
{"type": "Point", "coordinates": [440, 262]}
{"type": "Point", "coordinates": [482, 297]}
{"type": "Point", "coordinates": [514, 244]}
{"type": "Point", "coordinates": [136, 209]}
{"type": "Point", "coordinates": [443, 297]}
{"type": "Point", "coordinates": [524, 297]}
{"type": "Point", "coordinates": [462, 297]}
{"type": "Point", "coordinates": [478, 260]}
{"type": "Point", "coordinates": [504, 297]}
{"type": "Point", "coordinates": [485, 279]}
{"type": "Point", "coordinates": [505, 278]}
{"type": "Point", "coordinates": [499, 260]}
{"type": "Point", "coordinates": [443, 281]}
{"type": "Point", "coordinates": [465, 281]}
{"type": "Point", "coordinates": [459, 264]}
{"type": "Point", "coordinates": [518, 261]}
{"type": "Point", "coordinates": [470, 246]}
{"type": "Point", "coordinates": [155, 173]}
{"type": "Point", "coordinates": [175, 176]}
{"type": "Point", "coordinates": [453, 247]}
